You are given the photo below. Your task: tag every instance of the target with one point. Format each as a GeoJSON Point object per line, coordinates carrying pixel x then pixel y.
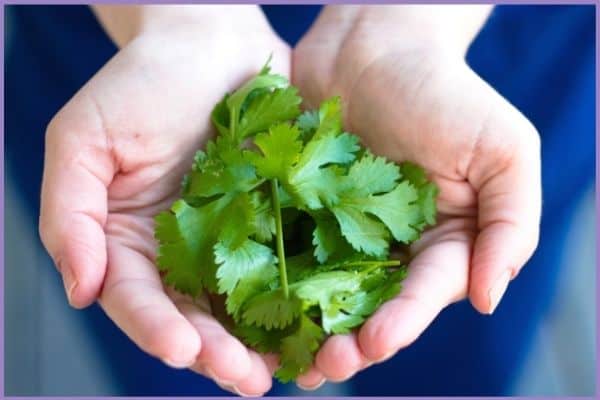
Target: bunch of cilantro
{"type": "Point", "coordinates": [288, 220]}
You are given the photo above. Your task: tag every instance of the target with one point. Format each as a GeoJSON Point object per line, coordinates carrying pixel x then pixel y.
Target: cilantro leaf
{"type": "Point", "coordinates": [300, 265]}
{"type": "Point", "coordinates": [222, 169]}
{"type": "Point", "coordinates": [320, 287]}
{"type": "Point", "coordinates": [396, 210]}
{"type": "Point", "coordinates": [220, 116]}
{"type": "Point", "coordinates": [261, 339]}
{"type": "Point", "coordinates": [269, 108]}
{"type": "Point", "coordinates": [254, 282]}
{"type": "Point", "coordinates": [348, 310]}
{"type": "Point", "coordinates": [330, 117]}
{"type": "Point", "coordinates": [264, 221]}
{"type": "Point", "coordinates": [328, 240]}
{"type": "Point", "coordinates": [280, 150]}
{"type": "Point", "coordinates": [297, 350]}
{"type": "Point", "coordinates": [237, 101]}
{"type": "Point", "coordinates": [235, 264]}
{"type": "Point", "coordinates": [186, 237]}
{"type": "Point", "coordinates": [272, 310]}
{"type": "Point", "coordinates": [308, 122]}
{"type": "Point", "coordinates": [264, 80]}
{"type": "Point", "coordinates": [336, 321]}
{"type": "Point", "coordinates": [427, 192]}
{"type": "Point", "coordinates": [314, 185]}
{"type": "Point", "coordinates": [364, 233]}
{"type": "Point", "coordinates": [372, 175]}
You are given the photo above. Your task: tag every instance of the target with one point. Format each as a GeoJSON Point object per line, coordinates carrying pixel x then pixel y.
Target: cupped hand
{"type": "Point", "coordinates": [411, 96]}
{"type": "Point", "coordinates": [115, 156]}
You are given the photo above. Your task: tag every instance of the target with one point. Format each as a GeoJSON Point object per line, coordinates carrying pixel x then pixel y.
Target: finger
{"type": "Point", "coordinates": [340, 357]}
{"type": "Point", "coordinates": [311, 379]}
{"type": "Point", "coordinates": [258, 381]}
{"type": "Point", "coordinates": [506, 172]}
{"type": "Point", "coordinates": [223, 357]}
{"type": "Point", "coordinates": [133, 297]}
{"type": "Point", "coordinates": [77, 171]}
{"type": "Point", "coordinates": [201, 369]}
{"type": "Point", "coordinates": [271, 361]}
{"type": "Point", "coordinates": [437, 276]}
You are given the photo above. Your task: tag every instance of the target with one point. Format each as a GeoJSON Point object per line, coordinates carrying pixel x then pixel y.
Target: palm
{"type": "Point", "coordinates": [142, 117]}
{"type": "Point", "coordinates": [416, 104]}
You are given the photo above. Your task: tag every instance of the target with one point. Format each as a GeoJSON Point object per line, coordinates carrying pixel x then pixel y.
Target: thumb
{"type": "Point", "coordinates": [77, 171]}
{"type": "Point", "coordinates": [505, 170]}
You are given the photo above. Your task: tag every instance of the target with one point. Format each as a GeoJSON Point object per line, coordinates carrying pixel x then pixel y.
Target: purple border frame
{"type": "Point", "coordinates": [520, 2]}
{"type": "Point", "coordinates": [2, 212]}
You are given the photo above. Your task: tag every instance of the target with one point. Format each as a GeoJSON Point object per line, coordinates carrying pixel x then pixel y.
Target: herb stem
{"type": "Point", "coordinates": [372, 265]}
{"type": "Point", "coordinates": [279, 237]}
{"type": "Point", "coordinates": [388, 263]}
{"type": "Point", "coordinates": [233, 122]}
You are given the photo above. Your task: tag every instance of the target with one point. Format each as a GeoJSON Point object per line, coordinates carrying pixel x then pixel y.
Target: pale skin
{"type": "Point", "coordinates": [116, 153]}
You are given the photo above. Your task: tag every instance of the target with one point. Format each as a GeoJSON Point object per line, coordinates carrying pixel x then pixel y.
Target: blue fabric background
{"type": "Point", "coordinates": [540, 57]}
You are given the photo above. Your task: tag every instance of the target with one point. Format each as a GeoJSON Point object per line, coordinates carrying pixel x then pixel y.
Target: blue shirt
{"type": "Point", "coordinates": [541, 58]}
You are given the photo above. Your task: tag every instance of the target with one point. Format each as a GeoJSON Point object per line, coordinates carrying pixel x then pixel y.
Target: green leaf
{"type": "Point", "coordinates": [428, 192]}
{"type": "Point", "coordinates": [330, 117]}
{"type": "Point", "coordinates": [272, 310]}
{"type": "Point", "coordinates": [186, 237]}
{"type": "Point", "coordinates": [269, 108]}
{"type": "Point", "coordinates": [428, 202]}
{"type": "Point", "coordinates": [238, 100]}
{"type": "Point", "coordinates": [348, 310]}
{"type": "Point", "coordinates": [372, 175]}
{"type": "Point", "coordinates": [328, 240]}
{"type": "Point", "coordinates": [263, 81]}
{"type": "Point", "coordinates": [264, 221]}
{"type": "Point", "coordinates": [297, 350]}
{"type": "Point", "coordinates": [337, 322]}
{"type": "Point", "coordinates": [308, 122]}
{"type": "Point", "coordinates": [255, 282]}
{"type": "Point", "coordinates": [364, 233]}
{"type": "Point", "coordinates": [222, 169]}
{"type": "Point", "coordinates": [320, 287]}
{"type": "Point", "coordinates": [396, 210]}
{"type": "Point", "coordinates": [220, 116]}
{"type": "Point", "coordinates": [300, 265]}
{"type": "Point", "coordinates": [235, 264]}
{"type": "Point", "coordinates": [237, 223]}
{"type": "Point", "coordinates": [261, 339]}
{"type": "Point", "coordinates": [314, 185]}
{"type": "Point", "coordinates": [280, 150]}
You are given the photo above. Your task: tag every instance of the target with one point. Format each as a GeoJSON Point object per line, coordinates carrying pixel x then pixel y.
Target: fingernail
{"type": "Point", "coordinates": [215, 378]}
{"type": "Point", "coordinates": [242, 394]}
{"type": "Point", "coordinates": [69, 282]}
{"type": "Point", "coordinates": [314, 387]}
{"type": "Point", "coordinates": [498, 289]}
{"type": "Point", "coordinates": [178, 363]}
{"type": "Point", "coordinates": [386, 357]}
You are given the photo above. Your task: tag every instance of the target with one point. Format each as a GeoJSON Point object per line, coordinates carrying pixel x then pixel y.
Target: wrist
{"type": "Point", "coordinates": [125, 23]}
{"type": "Point", "coordinates": [448, 29]}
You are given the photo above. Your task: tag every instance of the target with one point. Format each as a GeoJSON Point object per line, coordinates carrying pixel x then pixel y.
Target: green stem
{"type": "Point", "coordinates": [372, 265]}
{"type": "Point", "coordinates": [279, 237]}
{"type": "Point", "coordinates": [232, 123]}
{"type": "Point", "coordinates": [388, 263]}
